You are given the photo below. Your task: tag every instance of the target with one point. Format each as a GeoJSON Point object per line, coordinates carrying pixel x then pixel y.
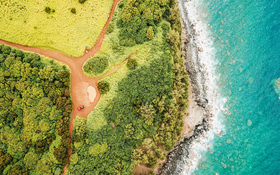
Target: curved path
{"type": "Point", "coordinates": [79, 81]}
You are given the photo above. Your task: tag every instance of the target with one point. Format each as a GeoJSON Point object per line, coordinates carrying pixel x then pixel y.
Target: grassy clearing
{"type": "Point", "coordinates": [28, 23]}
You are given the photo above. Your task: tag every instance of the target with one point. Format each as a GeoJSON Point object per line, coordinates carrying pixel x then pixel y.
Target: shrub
{"type": "Point", "coordinates": [103, 87]}
{"type": "Point", "coordinates": [150, 33]}
{"type": "Point", "coordinates": [82, 1]}
{"type": "Point", "coordinates": [73, 10]}
{"type": "Point", "coordinates": [110, 28]}
{"type": "Point", "coordinates": [131, 64]}
{"type": "Point", "coordinates": [96, 65]}
{"type": "Point", "coordinates": [48, 10]}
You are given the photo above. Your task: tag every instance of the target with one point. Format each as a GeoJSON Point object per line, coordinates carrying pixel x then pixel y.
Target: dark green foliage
{"type": "Point", "coordinates": [110, 28]}
{"type": "Point", "coordinates": [16, 170]}
{"type": "Point", "coordinates": [48, 10]}
{"type": "Point", "coordinates": [34, 99]}
{"type": "Point", "coordinates": [73, 10]}
{"type": "Point", "coordinates": [166, 28]}
{"type": "Point", "coordinates": [136, 106]}
{"type": "Point", "coordinates": [82, 1]}
{"type": "Point", "coordinates": [138, 20]}
{"type": "Point", "coordinates": [131, 63]}
{"type": "Point", "coordinates": [103, 87]}
{"type": "Point", "coordinates": [96, 65]}
{"type": "Point", "coordinates": [5, 159]}
{"type": "Point", "coordinates": [5, 50]}
{"type": "Point", "coordinates": [61, 154]}
{"type": "Point", "coordinates": [41, 146]}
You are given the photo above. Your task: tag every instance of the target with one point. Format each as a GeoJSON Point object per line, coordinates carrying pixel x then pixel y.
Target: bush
{"type": "Point", "coordinates": [110, 28]}
{"type": "Point", "coordinates": [150, 33]}
{"type": "Point", "coordinates": [103, 87]}
{"type": "Point", "coordinates": [96, 65]}
{"type": "Point", "coordinates": [131, 63]}
{"type": "Point", "coordinates": [48, 10]}
{"type": "Point", "coordinates": [82, 1]}
{"type": "Point", "coordinates": [73, 10]}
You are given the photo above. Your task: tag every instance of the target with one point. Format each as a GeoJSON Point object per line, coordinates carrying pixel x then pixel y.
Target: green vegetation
{"type": "Point", "coordinates": [82, 1]}
{"type": "Point", "coordinates": [131, 63]}
{"type": "Point", "coordinates": [35, 107]}
{"type": "Point", "coordinates": [140, 115]}
{"type": "Point", "coordinates": [50, 25]}
{"type": "Point", "coordinates": [96, 65]}
{"type": "Point", "coordinates": [73, 10]}
{"type": "Point", "coordinates": [103, 87]}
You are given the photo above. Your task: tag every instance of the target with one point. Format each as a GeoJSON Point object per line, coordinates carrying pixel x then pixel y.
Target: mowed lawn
{"type": "Point", "coordinates": [26, 22]}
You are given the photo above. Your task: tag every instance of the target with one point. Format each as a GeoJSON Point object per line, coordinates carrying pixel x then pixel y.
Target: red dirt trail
{"type": "Point", "coordinates": [79, 81]}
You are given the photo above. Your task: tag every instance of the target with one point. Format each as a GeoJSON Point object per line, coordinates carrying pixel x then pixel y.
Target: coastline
{"type": "Point", "coordinates": [196, 121]}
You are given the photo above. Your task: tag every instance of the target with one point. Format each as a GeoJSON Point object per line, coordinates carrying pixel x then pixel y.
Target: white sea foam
{"type": "Point", "coordinates": [204, 41]}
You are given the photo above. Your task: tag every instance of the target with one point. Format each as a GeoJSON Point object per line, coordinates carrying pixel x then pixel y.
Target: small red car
{"type": "Point", "coordinates": [80, 108]}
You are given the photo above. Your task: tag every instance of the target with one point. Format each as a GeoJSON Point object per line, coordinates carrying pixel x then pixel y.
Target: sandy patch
{"type": "Point", "coordinates": [194, 115]}
{"type": "Point", "coordinates": [141, 170]}
{"type": "Point", "coordinates": [91, 93]}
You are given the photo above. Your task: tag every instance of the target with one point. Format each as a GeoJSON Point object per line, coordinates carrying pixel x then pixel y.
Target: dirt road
{"type": "Point", "coordinates": [79, 81]}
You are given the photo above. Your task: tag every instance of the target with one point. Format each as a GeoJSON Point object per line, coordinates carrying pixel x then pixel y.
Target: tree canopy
{"type": "Point", "coordinates": [34, 110]}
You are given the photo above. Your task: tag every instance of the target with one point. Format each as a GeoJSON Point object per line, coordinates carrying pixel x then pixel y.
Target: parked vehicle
{"type": "Point", "coordinates": [80, 108]}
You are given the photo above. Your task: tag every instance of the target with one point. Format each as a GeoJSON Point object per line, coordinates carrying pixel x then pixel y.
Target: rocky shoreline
{"type": "Point", "coordinates": [178, 156]}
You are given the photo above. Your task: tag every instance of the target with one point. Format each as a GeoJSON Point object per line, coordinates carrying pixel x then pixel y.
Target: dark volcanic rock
{"type": "Point", "coordinates": [177, 156]}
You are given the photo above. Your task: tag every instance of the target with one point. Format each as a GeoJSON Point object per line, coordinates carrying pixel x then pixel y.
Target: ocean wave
{"type": "Point", "coordinates": [196, 13]}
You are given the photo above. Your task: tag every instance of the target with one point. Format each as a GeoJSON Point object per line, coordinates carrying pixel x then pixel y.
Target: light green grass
{"type": "Point", "coordinates": [25, 22]}
{"type": "Point", "coordinates": [96, 119]}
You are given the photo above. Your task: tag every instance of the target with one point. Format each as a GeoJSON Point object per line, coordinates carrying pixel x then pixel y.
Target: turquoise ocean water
{"type": "Point", "coordinates": [247, 42]}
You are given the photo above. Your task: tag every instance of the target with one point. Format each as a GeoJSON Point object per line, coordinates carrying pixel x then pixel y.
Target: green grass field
{"type": "Point", "coordinates": [26, 22]}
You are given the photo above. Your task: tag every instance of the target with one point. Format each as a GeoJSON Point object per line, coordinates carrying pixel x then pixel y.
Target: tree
{"type": "Point", "coordinates": [148, 113]}
{"type": "Point", "coordinates": [30, 160]}
{"type": "Point", "coordinates": [61, 154]}
{"type": "Point", "coordinates": [150, 33]}
{"type": "Point", "coordinates": [159, 104]}
{"type": "Point", "coordinates": [73, 10]}
{"type": "Point", "coordinates": [151, 159]}
{"type": "Point", "coordinates": [16, 170]}
{"type": "Point", "coordinates": [74, 158]}
{"type": "Point", "coordinates": [103, 87]}
{"type": "Point", "coordinates": [44, 166]}
{"type": "Point", "coordinates": [48, 10]}
{"type": "Point", "coordinates": [98, 149]}
{"type": "Point", "coordinates": [138, 157]}
{"type": "Point", "coordinates": [129, 130]}
{"type": "Point", "coordinates": [131, 63]}
{"type": "Point", "coordinates": [82, 1]}
{"type": "Point", "coordinates": [5, 159]}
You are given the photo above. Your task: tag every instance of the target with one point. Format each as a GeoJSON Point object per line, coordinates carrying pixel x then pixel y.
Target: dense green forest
{"type": "Point", "coordinates": [35, 107]}
{"type": "Point", "coordinates": [140, 113]}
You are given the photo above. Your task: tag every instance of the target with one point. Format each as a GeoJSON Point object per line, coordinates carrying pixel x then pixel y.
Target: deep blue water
{"type": "Point", "coordinates": [249, 52]}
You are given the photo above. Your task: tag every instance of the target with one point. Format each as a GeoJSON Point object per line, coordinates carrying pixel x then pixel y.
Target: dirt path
{"type": "Point", "coordinates": [79, 81]}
